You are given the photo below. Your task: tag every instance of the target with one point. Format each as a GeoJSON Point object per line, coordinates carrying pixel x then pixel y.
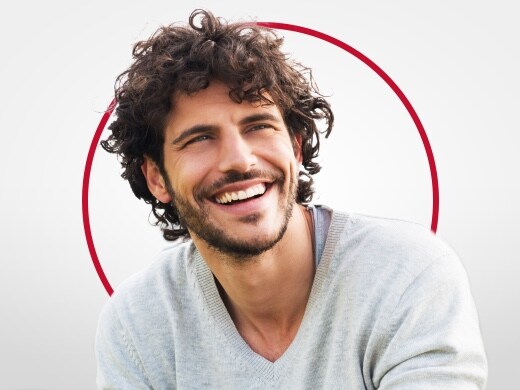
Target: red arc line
{"type": "Point", "coordinates": [84, 197]}
{"type": "Point", "coordinates": [393, 86]}
{"type": "Point", "coordinates": [281, 26]}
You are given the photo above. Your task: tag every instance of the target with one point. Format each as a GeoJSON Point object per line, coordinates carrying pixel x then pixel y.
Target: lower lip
{"type": "Point", "coordinates": [250, 206]}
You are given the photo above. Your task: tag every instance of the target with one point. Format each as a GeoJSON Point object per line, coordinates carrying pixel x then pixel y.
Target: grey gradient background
{"type": "Point", "coordinates": [456, 61]}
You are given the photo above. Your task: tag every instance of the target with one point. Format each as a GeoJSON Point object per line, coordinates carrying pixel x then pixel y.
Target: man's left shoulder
{"type": "Point", "coordinates": [393, 243]}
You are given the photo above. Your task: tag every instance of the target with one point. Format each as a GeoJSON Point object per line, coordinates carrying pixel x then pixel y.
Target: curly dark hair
{"type": "Point", "coordinates": [185, 59]}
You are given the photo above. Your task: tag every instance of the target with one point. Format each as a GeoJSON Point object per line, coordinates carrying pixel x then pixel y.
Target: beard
{"type": "Point", "coordinates": [197, 220]}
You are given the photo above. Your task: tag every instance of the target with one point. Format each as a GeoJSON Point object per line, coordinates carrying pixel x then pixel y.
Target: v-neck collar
{"type": "Point", "coordinates": [226, 327]}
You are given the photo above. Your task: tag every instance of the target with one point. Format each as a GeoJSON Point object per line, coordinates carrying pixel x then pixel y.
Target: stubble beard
{"type": "Point", "coordinates": [196, 219]}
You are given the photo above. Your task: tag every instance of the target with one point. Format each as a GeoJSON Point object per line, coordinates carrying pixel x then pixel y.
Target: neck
{"type": "Point", "coordinates": [266, 295]}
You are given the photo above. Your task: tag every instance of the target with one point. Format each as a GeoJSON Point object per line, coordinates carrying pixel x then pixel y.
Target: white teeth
{"type": "Point", "coordinates": [242, 194]}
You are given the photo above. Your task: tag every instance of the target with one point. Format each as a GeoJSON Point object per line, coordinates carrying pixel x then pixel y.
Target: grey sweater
{"type": "Point", "coordinates": [390, 308]}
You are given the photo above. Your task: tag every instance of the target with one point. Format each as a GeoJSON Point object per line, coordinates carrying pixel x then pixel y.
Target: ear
{"type": "Point", "coordinates": [297, 145]}
{"type": "Point", "coordinates": [155, 180]}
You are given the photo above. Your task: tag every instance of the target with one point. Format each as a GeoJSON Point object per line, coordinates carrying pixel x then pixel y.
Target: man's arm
{"type": "Point", "coordinates": [433, 339]}
{"type": "Point", "coordinates": [118, 363]}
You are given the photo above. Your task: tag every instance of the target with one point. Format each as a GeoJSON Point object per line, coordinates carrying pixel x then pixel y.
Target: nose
{"type": "Point", "coordinates": [236, 154]}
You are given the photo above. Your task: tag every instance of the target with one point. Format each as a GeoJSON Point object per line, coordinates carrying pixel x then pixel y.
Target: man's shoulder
{"type": "Point", "coordinates": [380, 262]}
{"type": "Point", "coordinates": [384, 231]}
{"type": "Point", "coordinates": [390, 244]}
{"type": "Point", "coordinates": [164, 276]}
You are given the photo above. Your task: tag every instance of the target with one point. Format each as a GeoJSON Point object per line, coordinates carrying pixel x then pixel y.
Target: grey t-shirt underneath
{"type": "Point", "coordinates": [321, 217]}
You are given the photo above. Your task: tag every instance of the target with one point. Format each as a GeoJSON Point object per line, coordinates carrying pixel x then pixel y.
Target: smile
{"type": "Point", "coordinates": [248, 193]}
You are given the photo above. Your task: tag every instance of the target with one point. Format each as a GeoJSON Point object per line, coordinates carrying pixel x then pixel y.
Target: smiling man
{"type": "Point", "coordinates": [218, 131]}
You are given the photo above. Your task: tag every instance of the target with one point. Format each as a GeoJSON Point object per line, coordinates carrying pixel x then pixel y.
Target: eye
{"type": "Point", "coordinates": [260, 126]}
{"type": "Point", "coordinates": [197, 139]}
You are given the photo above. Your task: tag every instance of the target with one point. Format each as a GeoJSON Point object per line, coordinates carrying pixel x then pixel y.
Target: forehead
{"type": "Point", "coordinates": [213, 105]}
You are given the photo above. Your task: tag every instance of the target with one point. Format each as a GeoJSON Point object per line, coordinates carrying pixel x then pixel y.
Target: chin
{"type": "Point", "coordinates": [250, 241]}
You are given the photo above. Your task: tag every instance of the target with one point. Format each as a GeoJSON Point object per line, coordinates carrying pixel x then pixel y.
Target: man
{"type": "Point", "coordinates": [217, 131]}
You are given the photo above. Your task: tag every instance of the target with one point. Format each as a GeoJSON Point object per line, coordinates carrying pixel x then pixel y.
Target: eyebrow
{"type": "Point", "coordinates": [258, 117]}
{"type": "Point", "coordinates": [198, 129]}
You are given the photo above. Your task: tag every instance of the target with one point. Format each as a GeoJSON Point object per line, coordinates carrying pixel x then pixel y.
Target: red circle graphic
{"type": "Point", "coordinates": [280, 26]}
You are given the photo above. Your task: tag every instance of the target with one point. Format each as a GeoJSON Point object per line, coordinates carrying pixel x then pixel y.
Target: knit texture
{"type": "Point", "coordinates": [390, 308]}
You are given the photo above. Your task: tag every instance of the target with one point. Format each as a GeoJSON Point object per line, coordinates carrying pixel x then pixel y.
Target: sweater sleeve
{"type": "Point", "coordinates": [118, 363]}
{"type": "Point", "coordinates": [433, 340]}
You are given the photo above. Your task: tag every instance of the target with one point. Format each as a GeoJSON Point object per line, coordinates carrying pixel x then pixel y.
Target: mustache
{"type": "Point", "coordinates": [235, 177]}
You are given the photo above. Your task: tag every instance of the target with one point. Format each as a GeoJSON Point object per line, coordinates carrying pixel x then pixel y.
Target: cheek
{"type": "Point", "coordinates": [279, 147]}
{"type": "Point", "coordinates": [189, 174]}
{"type": "Point", "coordinates": [284, 156]}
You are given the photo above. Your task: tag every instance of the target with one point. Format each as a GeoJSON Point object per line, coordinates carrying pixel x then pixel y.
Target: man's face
{"type": "Point", "coordinates": [231, 170]}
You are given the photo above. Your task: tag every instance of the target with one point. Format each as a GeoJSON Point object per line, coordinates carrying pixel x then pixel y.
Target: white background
{"type": "Point", "coordinates": [456, 61]}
